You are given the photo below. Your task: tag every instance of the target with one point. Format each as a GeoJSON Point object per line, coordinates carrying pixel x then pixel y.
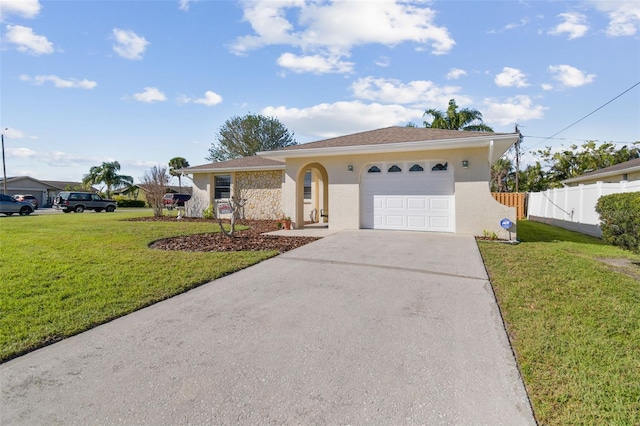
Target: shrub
{"type": "Point", "coordinates": [208, 213]}
{"type": "Point", "coordinates": [131, 203]}
{"type": "Point", "coordinates": [620, 219]}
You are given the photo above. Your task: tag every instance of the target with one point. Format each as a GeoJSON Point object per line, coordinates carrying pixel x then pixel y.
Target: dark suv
{"type": "Point", "coordinates": [175, 200]}
{"type": "Point", "coordinates": [80, 201]}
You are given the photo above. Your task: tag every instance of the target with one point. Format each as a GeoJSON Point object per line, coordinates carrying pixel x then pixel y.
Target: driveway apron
{"type": "Point", "coordinates": [361, 327]}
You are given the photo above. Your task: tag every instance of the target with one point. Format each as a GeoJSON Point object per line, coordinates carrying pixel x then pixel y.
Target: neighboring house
{"type": "Point", "coordinates": [400, 178]}
{"type": "Point", "coordinates": [573, 206]}
{"type": "Point", "coordinates": [627, 171]}
{"type": "Point", "coordinates": [138, 191]}
{"type": "Point", "coordinates": [44, 190]}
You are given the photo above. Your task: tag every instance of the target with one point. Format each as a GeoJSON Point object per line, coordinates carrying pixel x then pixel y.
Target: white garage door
{"type": "Point", "coordinates": [408, 196]}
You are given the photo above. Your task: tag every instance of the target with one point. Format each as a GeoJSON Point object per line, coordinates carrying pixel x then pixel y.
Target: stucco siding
{"type": "Point", "coordinates": [478, 212]}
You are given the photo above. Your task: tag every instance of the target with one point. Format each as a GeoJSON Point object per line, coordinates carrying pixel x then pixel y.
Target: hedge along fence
{"type": "Point", "coordinates": [620, 219]}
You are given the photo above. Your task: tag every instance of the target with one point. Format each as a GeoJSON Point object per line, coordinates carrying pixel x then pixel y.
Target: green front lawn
{"type": "Point", "coordinates": [572, 308]}
{"type": "Point", "coordinates": [62, 274]}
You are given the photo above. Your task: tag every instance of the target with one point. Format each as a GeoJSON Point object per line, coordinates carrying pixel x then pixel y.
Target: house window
{"type": "Point", "coordinates": [373, 169]}
{"type": "Point", "coordinates": [223, 187]}
{"type": "Point", "coordinates": [440, 167]}
{"type": "Point", "coordinates": [307, 185]}
{"type": "Point", "coordinates": [416, 168]}
{"type": "Point", "coordinates": [394, 169]}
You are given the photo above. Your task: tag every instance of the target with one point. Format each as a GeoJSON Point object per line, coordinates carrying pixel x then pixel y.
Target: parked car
{"type": "Point", "coordinates": [9, 206]}
{"type": "Point", "coordinates": [80, 201]}
{"type": "Point", "coordinates": [175, 200]}
{"type": "Point", "coordinates": [27, 198]}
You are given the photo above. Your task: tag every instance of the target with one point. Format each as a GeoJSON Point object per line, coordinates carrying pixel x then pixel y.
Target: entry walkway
{"type": "Point", "coordinates": [361, 327]}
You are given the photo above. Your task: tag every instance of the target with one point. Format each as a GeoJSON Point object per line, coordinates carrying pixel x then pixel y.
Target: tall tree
{"type": "Point", "coordinates": [107, 173]}
{"type": "Point", "coordinates": [177, 163]}
{"type": "Point", "coordinates": [452, 119]}
{"type": "Point", "coordinates": [244, 136]}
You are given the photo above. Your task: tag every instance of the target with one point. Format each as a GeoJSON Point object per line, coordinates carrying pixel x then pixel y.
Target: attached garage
{"type": "Point", "coordinates": [412, 196]}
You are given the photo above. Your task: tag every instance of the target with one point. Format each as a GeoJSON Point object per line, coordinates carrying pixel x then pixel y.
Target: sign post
{"type": "Point", "coordinates": [507, 224]}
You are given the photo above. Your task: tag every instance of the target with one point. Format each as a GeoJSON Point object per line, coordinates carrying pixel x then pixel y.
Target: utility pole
{"type": "Point", "coordinates": [518, 159]}
{"type": "Point", "coordinates": [4, 168]}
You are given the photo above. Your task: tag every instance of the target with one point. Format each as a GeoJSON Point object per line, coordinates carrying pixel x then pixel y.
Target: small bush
{"type": "Point", "coordinates": [131, 203]}
{"type": "Point", "coordinates": [208, 213]}
{"type": "Point", "coordinates": [620, 219]}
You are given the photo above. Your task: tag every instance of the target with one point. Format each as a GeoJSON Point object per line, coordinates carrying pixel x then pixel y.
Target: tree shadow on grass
{"type": "Point", "coordinates": [534, 232]}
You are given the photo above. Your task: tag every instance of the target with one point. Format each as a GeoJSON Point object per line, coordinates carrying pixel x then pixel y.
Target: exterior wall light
{"type": "Point", "coordinates": [350, 167]}
{"type": "Point", "coordinates": [465, 163]}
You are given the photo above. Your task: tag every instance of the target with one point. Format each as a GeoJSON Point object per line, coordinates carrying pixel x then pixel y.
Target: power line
{"type": "Point", "coordinates": [591, 113]}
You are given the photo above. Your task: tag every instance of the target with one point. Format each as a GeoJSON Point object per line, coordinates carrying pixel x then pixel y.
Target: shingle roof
{"type": "Point", "coordinates": [620, 167]}
{"type": "Point", "coordinates": [255, 161]}
{"type": "Point", "coordinates": [390, 135]}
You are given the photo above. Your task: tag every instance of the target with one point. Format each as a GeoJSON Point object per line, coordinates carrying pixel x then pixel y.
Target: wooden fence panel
{"type": "Point", "coordinates": [512, 199]}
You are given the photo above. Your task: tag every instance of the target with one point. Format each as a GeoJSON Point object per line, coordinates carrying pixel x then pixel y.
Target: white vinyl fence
{"type": "Point", "coordinates": [574, 207]}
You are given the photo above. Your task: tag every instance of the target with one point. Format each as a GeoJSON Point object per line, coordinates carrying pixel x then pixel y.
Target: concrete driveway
{"type": "Point", "coordinates": [361, 327]}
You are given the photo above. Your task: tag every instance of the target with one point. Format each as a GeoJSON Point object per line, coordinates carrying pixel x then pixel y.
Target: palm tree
{"type": "Point", "coordinates": [452, 119]}
{"type": "Point", "coordinates": [177, 163]}
{"type": "Point", "coordinates": [107, 173]}
{"type": "Point", "coordinates": [501, 172]}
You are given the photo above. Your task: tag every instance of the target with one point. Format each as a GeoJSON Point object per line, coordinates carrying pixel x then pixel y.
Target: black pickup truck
{"type": "Point", "coordinates": [78, 202]}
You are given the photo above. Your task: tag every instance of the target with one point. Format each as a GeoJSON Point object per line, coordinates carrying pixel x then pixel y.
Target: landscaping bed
{"type": "Point", "coordinates": [250, 239]}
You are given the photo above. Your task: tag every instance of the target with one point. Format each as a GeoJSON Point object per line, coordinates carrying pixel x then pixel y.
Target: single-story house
{"type": "Point", "coordinates": [627, 171]}
{"type": "Point", "coordinates": [44, 190]}
{"type": "Point", "coordinates": [139, 191]}
{"type": "Point", "coordinates": [398, 178]}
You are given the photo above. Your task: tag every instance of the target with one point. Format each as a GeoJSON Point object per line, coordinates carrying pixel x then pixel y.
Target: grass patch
{"type": "Point", "coordinates": [574, 322]}
{"type": "Point", "coordinates": [65, 273]}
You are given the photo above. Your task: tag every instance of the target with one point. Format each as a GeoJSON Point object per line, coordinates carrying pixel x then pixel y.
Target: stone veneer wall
{"type": "Point", "coordinates": [263, 191]}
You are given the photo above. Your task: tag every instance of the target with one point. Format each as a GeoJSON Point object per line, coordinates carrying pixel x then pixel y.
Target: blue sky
{"type": "Point", "coordinates": [141, 82]}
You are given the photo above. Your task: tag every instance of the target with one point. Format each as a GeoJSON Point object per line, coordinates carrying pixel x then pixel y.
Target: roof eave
{"type": "Point", "coordinates": [602, 175]}
{"type": "Point", "coordinates": [503, 142]}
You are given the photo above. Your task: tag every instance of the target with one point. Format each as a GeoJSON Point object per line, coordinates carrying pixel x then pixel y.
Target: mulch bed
{"type": "Point", "coordinates": [247, 240]}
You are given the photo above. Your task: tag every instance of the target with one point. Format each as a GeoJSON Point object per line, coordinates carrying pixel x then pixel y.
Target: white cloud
{"type": "Point", "coordinates": [513, 110]}
{"type": "Point", "coordinates": [455, 73]}
{"type": "Point", "coordinates": [11, 133]}
{"type": "Point", "coordinates": [128, 44]}
{"type": "Point", "coordinates": [546, 87]}
{"type": "Point", "coordinates": [59, 82]}
{"type": "Point", "coordinates": [184, 4]}
{"type": "Point", "coordinates": [569, 76]}
{"type": "Point", "coordinates": [28, 42]}
{"type": "Point", "coordinates": [22, 8]}
{"type": "Point", "coordinates": [210, 99]}
{"type": "Point", "coordinates": [522, 23]}
{"type": "Point", "coordinates": [573, 25]}
{"type": "Point", "coordinates": [341, 118]}
{"type": "Point", "coordinates": [149, 95]}
{"type": "Point", "coordinates": [421, 93]}
{"type": "Point", "coordinates": [332, 29]}
{"type": "Point", "coordinates": [511, 77]}
{"type": "Point", "coordinates": [316, 64]}
{"type": "Point", "coordinates": [383, 61]}
{"type": "Point", "coordinates": [624, 16]}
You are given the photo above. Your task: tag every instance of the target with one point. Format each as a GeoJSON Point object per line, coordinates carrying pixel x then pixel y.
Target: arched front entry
{"type": "Point", "coordinates": [312, 193]}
